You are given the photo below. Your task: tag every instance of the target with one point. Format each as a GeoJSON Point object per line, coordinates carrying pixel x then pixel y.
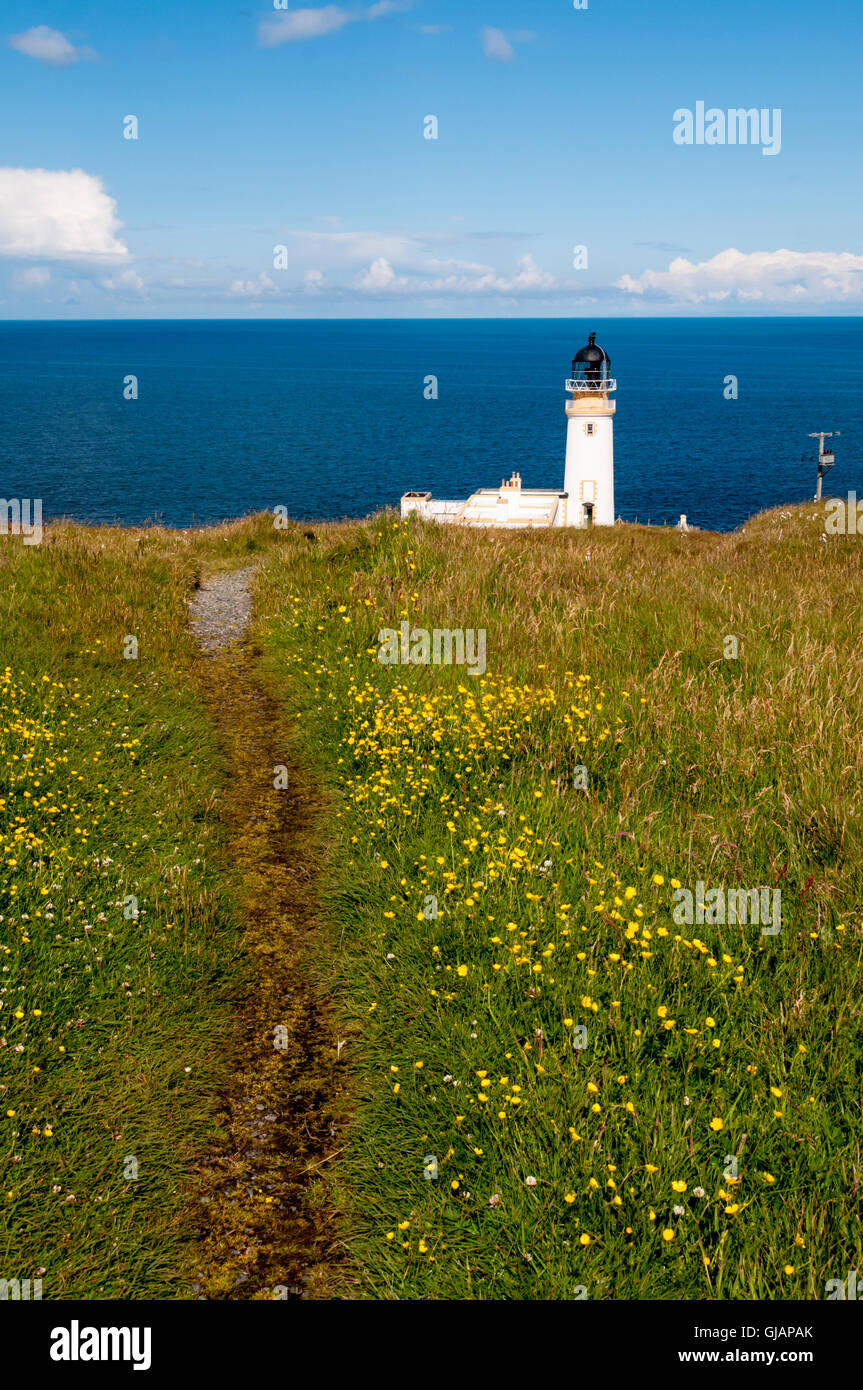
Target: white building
{"type": "Point", "coordinates": [587, 497]}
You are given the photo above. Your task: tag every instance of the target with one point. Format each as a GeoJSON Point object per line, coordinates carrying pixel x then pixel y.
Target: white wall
{"type": "Point", "coordinates": [590, 459]}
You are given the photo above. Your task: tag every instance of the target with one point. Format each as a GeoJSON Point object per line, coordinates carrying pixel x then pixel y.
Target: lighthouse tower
{"type": "Point", "coordinates": [589, 473]}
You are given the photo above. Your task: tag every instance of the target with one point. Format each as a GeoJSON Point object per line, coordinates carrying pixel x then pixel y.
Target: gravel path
{"type": "Point", "coordinates": [220, 610]}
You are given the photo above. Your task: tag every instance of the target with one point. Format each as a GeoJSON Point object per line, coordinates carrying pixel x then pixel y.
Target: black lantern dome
{"type": "Point", "coordinates": [592, 363]}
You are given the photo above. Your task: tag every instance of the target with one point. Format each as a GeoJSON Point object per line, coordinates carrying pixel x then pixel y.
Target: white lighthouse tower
{"type": "Point", "coordinates": [587, 496]}
{"type": "Point", "coordinates": [589, 471]}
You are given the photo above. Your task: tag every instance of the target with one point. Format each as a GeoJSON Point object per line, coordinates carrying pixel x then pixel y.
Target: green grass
{"type": "Point", "coordinates": [113, 1027]}
{"type": "Point", "coordinates": [740, 773]}
{"type": "Point", "coordinates": [471, 887]}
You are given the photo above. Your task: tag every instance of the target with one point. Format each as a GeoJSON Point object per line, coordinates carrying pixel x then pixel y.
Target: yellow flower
{"type": "Point", "coordinates": [789, 1269]}
{"type": "Point", "coordinates": [678, 1186]}
{"type": "Point", "coordinates": [668, 1234]}
{"type": "Point", "coordinates": [716, 1123]}
{"type": "Point", "coordinates": [584, 1239]}
{"type": "Point", "coordinates": [569, 1197]}
{"type": "Point", "coordinates": [462, 970]}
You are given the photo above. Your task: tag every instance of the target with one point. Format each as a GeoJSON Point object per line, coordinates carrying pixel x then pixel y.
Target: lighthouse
{"type": "Point", "coordinates": [587, 496]}
{"type": "Point", "coordinates": [589, 470]}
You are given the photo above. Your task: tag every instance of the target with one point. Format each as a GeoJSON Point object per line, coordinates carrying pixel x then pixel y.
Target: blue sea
{"type": "Point", "coordinates": [330, 418]}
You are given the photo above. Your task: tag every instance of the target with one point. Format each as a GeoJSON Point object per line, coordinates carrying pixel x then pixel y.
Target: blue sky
{"type": "Point", "coordinates": [304, 128]}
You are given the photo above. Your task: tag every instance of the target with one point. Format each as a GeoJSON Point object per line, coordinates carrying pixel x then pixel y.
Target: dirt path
{"type": "Point", "coordinates": [221, 609]}
{"type": "Point", "coordinates": [267, 1229]}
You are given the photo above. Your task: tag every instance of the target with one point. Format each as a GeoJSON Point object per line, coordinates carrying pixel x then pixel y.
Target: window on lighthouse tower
{"type": "Point", "coordinates": [590, 428]}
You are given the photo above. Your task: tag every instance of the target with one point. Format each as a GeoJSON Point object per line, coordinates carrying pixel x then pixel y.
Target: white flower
{"type": "Point", "coordinates": [530, 1182]}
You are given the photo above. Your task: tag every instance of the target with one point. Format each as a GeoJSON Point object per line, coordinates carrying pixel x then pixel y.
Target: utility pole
{"type": "Point", "coordinates": [826, 458]}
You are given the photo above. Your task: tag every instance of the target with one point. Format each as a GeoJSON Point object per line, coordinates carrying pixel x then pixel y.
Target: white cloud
{"type": "Point", "coordinates": [302, 24]}
{"type": "Point", "coordinates": [298, 25]}
{"type": "Point", "coordinates": [496, 45]}
{"type": "Point", "coordinates": [57, 214]}
{"type": "Point", "coordinates": [49, 46]}
{"type": "Point", "coordinates": [313, 280]}
{"type": "Point", "coordinates": [529, 278]}
{"type": "Point", "coordinates": [253, 289]}
{"type": "Point", "coordinates": [796, 277]}
{"type": "Point", "coordinates": [125, 282]}
{"type": "Point", "coordinates": [380, 276]}
{"type": "Point", "coordinates": [462, 278]}
{"type": "Point", "coordinates": [339, 248]}
{"type": "Point", "coordinates": [34, 278]}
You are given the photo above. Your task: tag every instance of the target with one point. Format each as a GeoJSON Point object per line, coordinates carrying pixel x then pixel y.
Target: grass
{"type": "Point", "coordinates": [490, 913]}
{"type": "Point", "coordinates": [556, 1089]}
{"type": "Point", "coordinates": [120, 943]}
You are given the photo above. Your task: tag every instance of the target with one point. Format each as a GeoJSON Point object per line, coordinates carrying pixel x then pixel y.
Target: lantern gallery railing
{"type": "Point", "coordinates": [580, 384]}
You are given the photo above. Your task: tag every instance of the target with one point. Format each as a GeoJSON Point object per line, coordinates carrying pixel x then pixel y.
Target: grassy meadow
{"type": "Point", "coordinates": [119, 942]}
{"type": "Point", "coordinates": [560, 1092]}
{"type": "Point", "coordinates": [552, 1089]}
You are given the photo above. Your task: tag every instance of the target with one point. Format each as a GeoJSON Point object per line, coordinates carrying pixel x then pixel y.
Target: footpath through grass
{"type": "Point", "coordinates": [119, 942]}
{"type": "Point", "coordinates": [562, 1087]}
{"type": "Point", "coordinates": [558, 1085]}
